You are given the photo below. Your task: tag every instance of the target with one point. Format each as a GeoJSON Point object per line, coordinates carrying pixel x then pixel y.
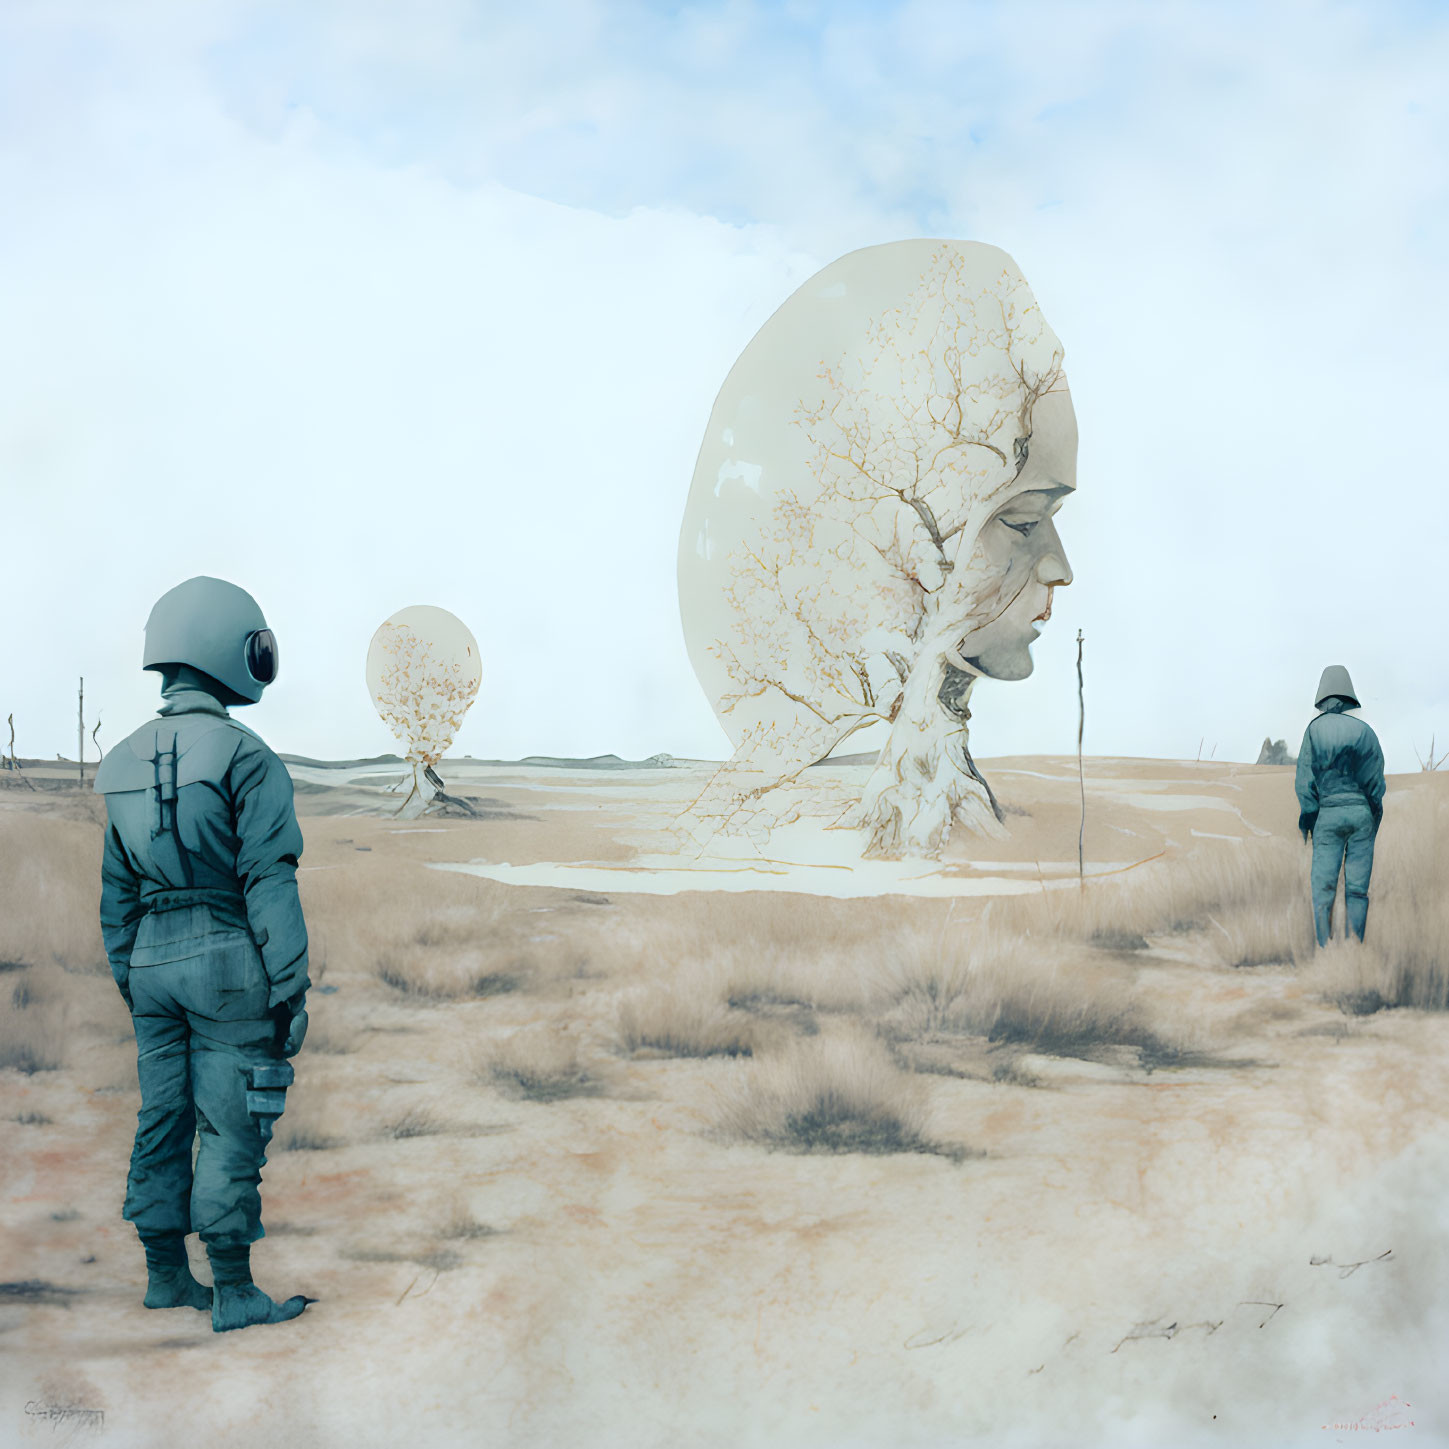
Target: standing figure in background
{"type": "Point", "coordinates": [1340, 786]}
{"type": "Point", "coordinates": [206, 940]}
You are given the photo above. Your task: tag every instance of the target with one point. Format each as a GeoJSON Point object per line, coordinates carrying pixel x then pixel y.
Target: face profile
{"type": "Point", "coordinates": [871, 527]}
{"type": "Point", "coordinates": [1024, 558]}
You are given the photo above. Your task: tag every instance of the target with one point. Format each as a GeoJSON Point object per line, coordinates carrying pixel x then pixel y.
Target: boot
{"type": "Point", "coordinates": [240, 1305]}
{"type": "Point", "coordinates": [169, 1283]}
{"type": "Point", "coordinates": [175, 1288]}
{"type": "Point", "coordinates": [236, 1301]}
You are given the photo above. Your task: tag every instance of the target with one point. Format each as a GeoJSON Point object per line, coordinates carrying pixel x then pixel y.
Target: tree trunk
{"type": "Point", "coordinates": [921, 785]}
{"type": "Point", "coordinates": [421, 794]}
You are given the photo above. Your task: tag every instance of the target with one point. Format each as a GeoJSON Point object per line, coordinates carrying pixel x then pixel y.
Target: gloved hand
{"type": "Point", "coordinates": [1306, 823]}
{"type": "Point", "coordinates": [290, 1019]}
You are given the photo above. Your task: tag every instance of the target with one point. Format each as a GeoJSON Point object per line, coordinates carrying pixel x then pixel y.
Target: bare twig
{"type": "Point", "coordinates": [1432, 762]}
{"type": "Point", "coordinates": [12, 763]}
{"type": "Point", "coordinates": [1081, 778]}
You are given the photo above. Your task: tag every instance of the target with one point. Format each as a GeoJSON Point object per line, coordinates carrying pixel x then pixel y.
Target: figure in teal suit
{"type": "Point", "coordinates": [206, 941]}
{"type": "Point", "coordinates": [1340, 786]}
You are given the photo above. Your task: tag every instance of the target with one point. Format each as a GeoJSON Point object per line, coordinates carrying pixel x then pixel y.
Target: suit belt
{"type": "Point", "coordinates": [181, 897]}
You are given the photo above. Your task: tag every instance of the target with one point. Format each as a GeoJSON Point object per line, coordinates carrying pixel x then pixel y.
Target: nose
{"type": "Point", "coordinates": [1052, 567]}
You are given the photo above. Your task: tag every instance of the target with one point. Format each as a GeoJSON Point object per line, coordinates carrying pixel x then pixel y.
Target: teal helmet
{"type": "Point", "coordinates": [217, 628]}
{"type": "Point", "coordinates": [1335, 681]}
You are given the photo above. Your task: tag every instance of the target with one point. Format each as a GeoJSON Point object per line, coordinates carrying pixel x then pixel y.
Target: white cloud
{"type": "Point", "coordinates": [365, 309]}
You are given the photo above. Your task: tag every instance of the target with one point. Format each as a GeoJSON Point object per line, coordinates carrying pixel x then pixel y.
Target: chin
{"type": "Point", "coordinates": [1003, 663]}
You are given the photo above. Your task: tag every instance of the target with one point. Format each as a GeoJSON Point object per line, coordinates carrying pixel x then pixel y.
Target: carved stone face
{"type": "Point", "coordinates": [857, 507]}
{"type": "Point", "coordinates": [1020, 553]}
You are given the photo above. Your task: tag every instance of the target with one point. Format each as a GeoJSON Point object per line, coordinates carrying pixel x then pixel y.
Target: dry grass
{"type": "Point", "coordinates": [50, 892]}
{"type": "Point", "coordinates": [36, 1018]}
{"type": "Point", "coordinates": [834, 977]}
{"type": "Point", "coordinates": [833, 1093]}
{"type": "Point", "coordinates": [1037, 994]}
{"type": "Point", "coordinates": [424, 974]}
{"type": "Point", "coordinates": [464, 1226]}
{"type": "Point", "coordinates": [539, 1064]}
{"type": "Point", "coordinates": [415, 1122]}
{"type": "Point", "coordinates": [684, 1021]}
{"type": "Point", "coordinates": [327, 1030]}
{"type": "Point", "coordinates": [308, 1124]}
{"type": "Point", "coordinates": [1249, 899]}
{"type": "Point", "coordinates": [758, 934]}
{"type": "Point", "coordinates": [431, 936]}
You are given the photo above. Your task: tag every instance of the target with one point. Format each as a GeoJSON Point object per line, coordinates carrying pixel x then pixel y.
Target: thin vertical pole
{"type": "Point", "coordinates": [80, 730]}
{"type": "Point", "coordinates": [1081, 778]}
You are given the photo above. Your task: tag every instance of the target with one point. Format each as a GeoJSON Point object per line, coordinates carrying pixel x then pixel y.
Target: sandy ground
{"type": "Point", "coordinates": [1244, 1253]}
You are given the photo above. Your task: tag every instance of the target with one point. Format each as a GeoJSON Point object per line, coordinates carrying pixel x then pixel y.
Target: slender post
{"type": "Point", "coordinates": [1081, 779]}
{"type": "Point", "coordinates": [80, 730]}
{"type": "Point", "coordinates": [99, 752]}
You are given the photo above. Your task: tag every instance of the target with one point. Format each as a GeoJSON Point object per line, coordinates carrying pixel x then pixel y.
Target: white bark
{"type": "Point", "coordinates": [421, 794]}
{"type": "Point", "coordinates": [921, 785]}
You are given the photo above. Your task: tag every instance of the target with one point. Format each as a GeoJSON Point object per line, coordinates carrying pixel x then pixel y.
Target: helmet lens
{"type": "Point", "coordinates": [262, 656]}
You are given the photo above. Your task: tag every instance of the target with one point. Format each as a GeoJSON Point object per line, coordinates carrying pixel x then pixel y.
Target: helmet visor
{"type": "Point", "coordinates": [261, 655]}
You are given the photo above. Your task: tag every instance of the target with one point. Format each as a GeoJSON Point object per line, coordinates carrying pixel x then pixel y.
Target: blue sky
{"type": "Point", "coordinates": [366, 305]}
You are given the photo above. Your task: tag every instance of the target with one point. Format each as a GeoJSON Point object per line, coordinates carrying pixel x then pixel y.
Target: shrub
{"type": "Point", "coordinates": [836, 1093]}
{"type": "Point", "coordinates": [678, 1022]}
{"type": "Point", "coordinates": [540, 1065]}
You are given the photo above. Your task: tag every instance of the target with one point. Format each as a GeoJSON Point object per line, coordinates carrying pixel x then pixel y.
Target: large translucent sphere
{"type": "Point", "coordinates": [423, 671]}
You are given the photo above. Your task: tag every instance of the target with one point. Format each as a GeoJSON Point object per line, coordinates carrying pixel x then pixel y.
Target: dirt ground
{"type": "Point", "coordinates": [1245, 1245]}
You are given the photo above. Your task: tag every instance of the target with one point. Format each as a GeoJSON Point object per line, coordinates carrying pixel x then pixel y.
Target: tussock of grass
{"type": "Point", "coordinates": [468, 1228]}
{"type": "Point", "coordinates": [831, 1094]}
{"type": "Point", "coordinates": [1267, 933]}
{"type": "Point", "coordinates": [818, 977]}
{"type": "Point", "coordinates": [539, 1065]}
{"type": "Point", "coordinates": [32, 1119]}
{"type": "Point", "coordinates": [1014, 1074]}
{"type": "Point", "coordinates": [439, 974]}
{"type": "Point", "coordinates": [306, 1123]}
{"type": "Point", "coordinates": [415, 1122]}
{"type": "Point", "coordinates": [1032, 993]}
{"type": "Point", "coordinates": [678, 1022]}
{"type": "Point", "coordinates": [304, 1139]}
{"type": "Point", "coordinates": [35, 1031]}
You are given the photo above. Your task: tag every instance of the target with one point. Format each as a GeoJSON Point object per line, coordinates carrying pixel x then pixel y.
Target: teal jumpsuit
{"type": "Point", "coordinates": [205, 936]}
{"type": "Point", "coordinates": [1340, 785]}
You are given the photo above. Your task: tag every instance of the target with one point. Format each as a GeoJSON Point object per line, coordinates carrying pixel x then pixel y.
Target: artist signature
{"type": "Point", "coordinates": [59, 1414]}
{"type": "Point", "coordinates": [1391, 1413]}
